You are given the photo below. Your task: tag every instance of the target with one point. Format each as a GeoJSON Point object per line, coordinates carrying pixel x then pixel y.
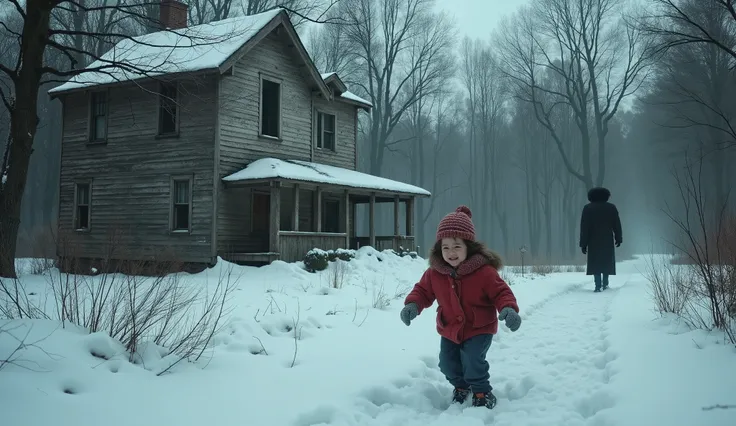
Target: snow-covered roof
{"type": "Point", "coordinates": [346, 94]}
{"type": "Point", "coordinates": [304, 171]}
{"type": "Point", "coordinates": [196, 48]}
{"type": "Point", "coordinates": [353, 97]}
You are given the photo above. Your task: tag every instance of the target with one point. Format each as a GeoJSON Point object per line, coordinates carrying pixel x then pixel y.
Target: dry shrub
{"type": "Point", "coordinates": [671, 285]}
{"type": "Point", "coordinates": [15, 303]}
{"type": "Point", "coordinates": [708, 251]}
{"type": "Point", "coordinates": [337, 273]}
{"type": "Point", "coordinates": [545, 269]}
{"type": "Point", "coordinates": [166, 308]}
{"type": "Point", "coordinates": [135, 302]}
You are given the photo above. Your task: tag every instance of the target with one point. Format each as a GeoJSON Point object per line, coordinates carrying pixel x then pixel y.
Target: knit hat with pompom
{"type": "Point", "coordinates": [457, 224]}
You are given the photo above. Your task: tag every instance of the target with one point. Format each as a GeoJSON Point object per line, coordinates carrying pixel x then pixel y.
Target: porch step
{"type": "Point", "coordinates": [251, 257]}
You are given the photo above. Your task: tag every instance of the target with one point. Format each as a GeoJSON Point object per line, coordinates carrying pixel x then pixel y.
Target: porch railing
{"type": "Point", "coordinates": [294, 245]}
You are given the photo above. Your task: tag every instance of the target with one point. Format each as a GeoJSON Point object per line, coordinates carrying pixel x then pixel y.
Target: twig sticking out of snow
{"type": "Point", "coordinates": [719, 407]}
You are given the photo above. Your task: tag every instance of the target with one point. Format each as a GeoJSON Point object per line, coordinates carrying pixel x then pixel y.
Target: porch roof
{"type": "Point", "coordinates": [304, 171]}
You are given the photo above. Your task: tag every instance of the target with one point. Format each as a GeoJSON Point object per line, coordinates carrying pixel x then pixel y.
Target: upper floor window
{"type": "Point", "coordinates": [325, 131]}
{"type": "Point", "coordinates": [82, 205]}
{"type": "Point", "coordinates": [181, 204]}
{"type": "Point", "coordinates": [98, 118]}
{"type": "Point", "coordinates": [168, 112]}
{"type": "Point", "coordinates": [270, 108]}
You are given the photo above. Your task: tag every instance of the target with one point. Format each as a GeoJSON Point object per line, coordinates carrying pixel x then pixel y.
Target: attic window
{"type": "Point", "coordinates": [270, 108]}
{"type": "Point", "coordinates": [168, 111]}
{"type": "Point", "coordinates": [325, 131]}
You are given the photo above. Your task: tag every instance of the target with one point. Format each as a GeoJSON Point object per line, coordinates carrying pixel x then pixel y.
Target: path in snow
{"type": "Point", "coordinates": [553, 371]}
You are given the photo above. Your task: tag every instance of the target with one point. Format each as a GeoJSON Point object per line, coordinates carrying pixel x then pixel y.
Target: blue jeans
{"type": "Point", "coordinates": [600, 278]}
{"type": "Point", "coordinates": [465, 365]}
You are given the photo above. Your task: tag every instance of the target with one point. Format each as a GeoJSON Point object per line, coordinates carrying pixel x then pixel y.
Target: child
{"type": "Point", "coordinates": [463, 278]}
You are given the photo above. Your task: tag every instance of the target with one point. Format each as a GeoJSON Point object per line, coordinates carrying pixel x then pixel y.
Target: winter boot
{"type": "Point", "coordinates": [487, 400]}
{"type": "Point", "coordinates": [597, 290]}
{"type": "Point", "coordinates": [460, 395]}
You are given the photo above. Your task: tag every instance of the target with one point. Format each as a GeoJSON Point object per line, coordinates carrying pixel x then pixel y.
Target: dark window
{"type": "Point", "coordinates": [331, 218]}
{"type": "Point", "coordinates": [181, 205]}
{"type": "Point", "coordinates": [270, 108]}
{"type": "Point", "coordinates": [99, 116]}
{"type": "Point", "coordinates": [325, 131]}
{"type": "Point", "coordinates": [168, 109]}
{"type": "Point", "coordinates": [82, 206]}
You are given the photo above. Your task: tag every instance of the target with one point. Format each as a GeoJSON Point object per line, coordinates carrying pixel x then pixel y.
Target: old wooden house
{"type": "Point", "coordinates": [216, 140]}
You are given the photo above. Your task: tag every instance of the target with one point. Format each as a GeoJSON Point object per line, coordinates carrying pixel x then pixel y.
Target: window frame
{"type": "Point", "coordinates": [280, 82]}
{"type": "Point", "coordinates": [319, 135]}
{"type": "Point", "coordinates": [161, 109]}
{"type": "Point", "coordinates": [75, 215]}
{"type": "Point", "coordinates": [172, 203]}
{"type": "Point", "coordinates": [91, 124]}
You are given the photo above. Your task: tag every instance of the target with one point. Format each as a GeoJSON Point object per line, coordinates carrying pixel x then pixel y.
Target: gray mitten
{"type": "Point", "coordinates": [409, 312]}
{"type": "Point", "coordinates": [513, 320]}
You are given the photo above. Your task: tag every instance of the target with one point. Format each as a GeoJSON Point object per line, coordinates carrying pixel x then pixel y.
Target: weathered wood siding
{"type": "Point", "coordinates": [240, 144]}
{"type": "Point", "coordinates": [234, 236]}
{"type": "Point", "coordinates": [344, 153]}
{"type": "Point", "coordinates": [131, 173]}
{"type": "Point", "coordinates": [239, 108]}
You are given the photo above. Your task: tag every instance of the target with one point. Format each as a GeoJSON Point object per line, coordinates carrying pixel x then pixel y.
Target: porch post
{"type": "Point", "coordinates": [275, 216]}
{"type": "Point", "coordinates": [396, 222]}
{"type": "Point", "coordinates": [372, 220]}
{"type": "Point", "coordinates": [410, 220]}
{"type": "Point", "coordinates": [318, 208]}
{"type": "Point", "coordinates": [346, 203]}
{"type": "Point", "coordinates": [353, 226]}
{"type": "Point", "coordinates": [295, 216]}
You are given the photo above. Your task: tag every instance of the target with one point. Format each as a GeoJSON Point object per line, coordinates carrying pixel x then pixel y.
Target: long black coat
{"type": "Point", "coordinates": [600, 229]}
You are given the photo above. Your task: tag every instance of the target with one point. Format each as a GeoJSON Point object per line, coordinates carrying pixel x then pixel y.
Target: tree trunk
{"type": "Point", "coordinates": [23, 123]}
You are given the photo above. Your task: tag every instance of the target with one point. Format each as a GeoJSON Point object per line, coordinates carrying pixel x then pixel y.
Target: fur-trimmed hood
{"type": "Point", "coordinates": [470, 265]}
{"type": "Point", "coordinates": [599, 195]}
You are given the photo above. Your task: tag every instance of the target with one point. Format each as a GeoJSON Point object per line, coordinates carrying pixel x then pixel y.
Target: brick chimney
{"type": "Point", "coordinates": [173, 14]}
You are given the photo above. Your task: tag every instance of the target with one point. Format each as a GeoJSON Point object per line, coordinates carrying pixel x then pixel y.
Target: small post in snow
{"type": "Point", "coordinates": [522, 250]}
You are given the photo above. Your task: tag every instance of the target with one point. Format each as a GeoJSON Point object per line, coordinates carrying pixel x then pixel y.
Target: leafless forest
{"type": "Point", "coordinates": [639, 97]}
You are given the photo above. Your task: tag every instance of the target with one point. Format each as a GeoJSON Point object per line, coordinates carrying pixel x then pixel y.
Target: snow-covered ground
{"type": "Point", "coordinates": [579, 358]}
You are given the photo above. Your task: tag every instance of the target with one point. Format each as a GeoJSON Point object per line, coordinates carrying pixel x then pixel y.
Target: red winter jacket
{"type": "Point", "coordinates": [468, 299]}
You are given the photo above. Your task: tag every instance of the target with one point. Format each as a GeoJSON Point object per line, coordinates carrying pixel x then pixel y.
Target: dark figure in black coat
{"type": "Point", "coordinates": [600, 229]}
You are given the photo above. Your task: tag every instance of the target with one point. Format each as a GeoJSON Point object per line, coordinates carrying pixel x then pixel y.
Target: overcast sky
{"type": "Point", "coordinates": [477, 18]}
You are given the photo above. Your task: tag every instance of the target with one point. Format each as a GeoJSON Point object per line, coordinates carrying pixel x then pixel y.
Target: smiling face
{"type": "Point", "coordinates": [454, 251]}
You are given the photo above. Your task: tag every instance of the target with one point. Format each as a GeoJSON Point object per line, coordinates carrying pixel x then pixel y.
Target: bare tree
{"type": "Point", "coordinates": [402, 48]}
{"type": "Point", "coordinates": [682, 22]}
{"type": "Point", "coordinates": [330, 48]}
{"type": "Point", "coordinates": [486, 98]}
{"type": "Point", "coordinates": [586, 45]}
{"type": "Point", "coordinates": [528, 130]}
{"type": "Point", "coordinates": [300, 11]}
{"type": "Point", "coordinates": [694, 90]}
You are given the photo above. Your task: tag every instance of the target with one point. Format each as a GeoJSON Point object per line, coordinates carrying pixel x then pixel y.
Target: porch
{"type": "Point", "coordinates": [287, 217]}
